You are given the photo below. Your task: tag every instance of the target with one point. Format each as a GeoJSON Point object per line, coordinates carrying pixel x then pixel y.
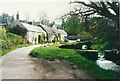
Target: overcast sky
{"type": "Point", "coordinates": [35, 8]}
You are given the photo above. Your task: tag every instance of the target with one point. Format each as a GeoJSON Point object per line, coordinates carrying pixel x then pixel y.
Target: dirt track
{"type": "Point", "coordinates": [57, 69]}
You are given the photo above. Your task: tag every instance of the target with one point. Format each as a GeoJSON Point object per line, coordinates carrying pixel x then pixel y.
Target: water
{"type": "Point", "coordinates": [106, 64]}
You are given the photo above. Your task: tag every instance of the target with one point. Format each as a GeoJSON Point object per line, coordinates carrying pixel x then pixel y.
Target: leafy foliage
{"type": "Point", "coordinates": [9, 40]}
{"type": "Point", "coordinates": [76, 45]}
{"type": "Point", "coordinates": [5, 16]}
{"type": "Point", "coordinates": [19, 30]}
{"type": "Point", "coordinates": [48, 38]}
{"type": "Point", "coordinates": [103, 31]}
{"type": "Point", "coordinates": [72, 25]}
{"type": "Point", "coordinates": [41, 39]}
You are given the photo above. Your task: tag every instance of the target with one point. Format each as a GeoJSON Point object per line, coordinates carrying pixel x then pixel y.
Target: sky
{"type": "Point", "coordinates": [34, 9]}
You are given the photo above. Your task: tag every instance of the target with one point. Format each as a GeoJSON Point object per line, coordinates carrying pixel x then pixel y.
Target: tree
{"type": "Point", "coordinates": [104, 27]}
{"type": "Point", "coordinates": [106, 8]}
{"type": "Point", "coordinates": [98, 27]}
{"type": "Point", "coordinates": [72, 25]}
{"type": "Point", "coordinates": [43, 18]}
{"type": "Point", "coordinates": [50, 24]}
{"type": "Point", "coordinates": [19, 31]}
{"type": "Point", "coordinates": [5, 18]}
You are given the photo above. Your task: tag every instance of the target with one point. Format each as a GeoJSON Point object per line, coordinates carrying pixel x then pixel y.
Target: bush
{"type": "Point", "coordinates": [54, 41]}
{"type": "Point", "coordinates": [81, 37]}
{"type": "Point", "coordinates": [91, 55]}
{"type": "Point", "coordinates": [71, 46]}
{"type": "Point", "coordinates": [15, 39]}
{"type": "Point", "coordinates": [113, 56]}
{"type": "Point", "coordinates": [9, 40]}
{"type": "Point", "coordinates": [42, 39]}
{"type": "Point", "coordinates": [61, 42]}
{"type": "Point", "coordinates": [101, 47]}
{"type": "Point", "coordinates": [34, 54]}
{"type": "Point", "coordinates": [21, 31]}
{"type": "Point", "coordinates": [47, 37]}
{"type": "Point", "coordinates": [76, 45]}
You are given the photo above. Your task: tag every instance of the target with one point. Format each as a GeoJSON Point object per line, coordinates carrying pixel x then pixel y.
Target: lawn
{"type": "Point", "coordinates": [71, 55]}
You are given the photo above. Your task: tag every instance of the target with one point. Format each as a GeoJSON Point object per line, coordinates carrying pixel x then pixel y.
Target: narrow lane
{"type": "Point", "coordinates": [18, 65]}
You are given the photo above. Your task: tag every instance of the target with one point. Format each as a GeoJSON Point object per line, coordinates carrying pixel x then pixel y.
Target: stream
{"type": "Point", "coordinates": [107, 64]}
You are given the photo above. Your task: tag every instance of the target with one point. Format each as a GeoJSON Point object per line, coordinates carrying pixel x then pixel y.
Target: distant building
{"type": "Point", "coordinates": [33, 32]}
{"type": "Point", "coordinates": [53, 31]}
{"type": "Point", "coordinates": [63, 34]}
{"type": "Point", "coordinates": [49, 32]}
{"type": "Point", "coordinates": [37, 32]}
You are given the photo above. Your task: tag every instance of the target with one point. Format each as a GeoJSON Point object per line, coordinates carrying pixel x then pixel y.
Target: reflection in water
{"type": "Point", "coordinates": [106, 64]}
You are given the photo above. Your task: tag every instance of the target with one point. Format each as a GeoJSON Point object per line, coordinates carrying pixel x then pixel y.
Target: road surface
{"type": "Point", "coordinates": [19, 65]}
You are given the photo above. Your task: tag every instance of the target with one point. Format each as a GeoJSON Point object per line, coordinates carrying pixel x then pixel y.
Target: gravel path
{"type": "Point", "coordinates": [18, 65]}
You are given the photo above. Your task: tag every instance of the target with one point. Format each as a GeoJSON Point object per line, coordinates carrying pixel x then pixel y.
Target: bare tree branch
{"type": "Point", "coordinates": [102, 8]}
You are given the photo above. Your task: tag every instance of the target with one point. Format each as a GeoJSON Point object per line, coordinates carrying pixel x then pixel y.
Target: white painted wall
{"type": "Point", "coordinates": [63, 37]}
{"type": "Point", "coordinates": [32, 35]}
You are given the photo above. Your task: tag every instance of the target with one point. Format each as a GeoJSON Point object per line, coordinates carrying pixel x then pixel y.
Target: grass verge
{"type": "Point", "coordinates": [72, 56]}
{"type": "Point", "coordinates": [12, 48]}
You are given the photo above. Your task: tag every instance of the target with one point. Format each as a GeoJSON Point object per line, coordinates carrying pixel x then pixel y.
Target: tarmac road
{"type": "Point", "coordinates": [19, 65]}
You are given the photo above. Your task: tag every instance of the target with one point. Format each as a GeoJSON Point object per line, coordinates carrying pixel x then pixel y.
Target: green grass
{"type": "Point", "coordinates": [71, 55]}
{"type": "Point", "coordinates": [12, 48]}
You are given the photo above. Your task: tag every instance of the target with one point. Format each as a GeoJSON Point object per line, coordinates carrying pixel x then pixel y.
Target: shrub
{"type": "Point", "coordinates": [91, 55]}
{"type": "Point", "coordinates": [34, 54]}
{"type": "Point", "coordinates": [9, 40]}
{"type": "Point", "coordinates": [42, 38]}
{"type": "Point", "coordinates": [71, 46]}
{"type": "Point", "coordinates": [54, 41]}
{"type": "Point", "coordinates": [95, 47]}
{"type": "Point", "coordinates": [19, 30]}
{"type": "Point", "coordinates": [61, 42]}
{"type": "Point", "coordinates": [76, 45]}
{"type": "Point", "coordinates": [48, 37]}
{"type": "Point", "coordinates": [113, 56]}
{"type": "Point", "coordinates": [14, 38]}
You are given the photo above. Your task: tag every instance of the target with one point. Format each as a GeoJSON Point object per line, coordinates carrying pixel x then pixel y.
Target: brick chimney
{"type": "Point", "coordinates": [17, 16]}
